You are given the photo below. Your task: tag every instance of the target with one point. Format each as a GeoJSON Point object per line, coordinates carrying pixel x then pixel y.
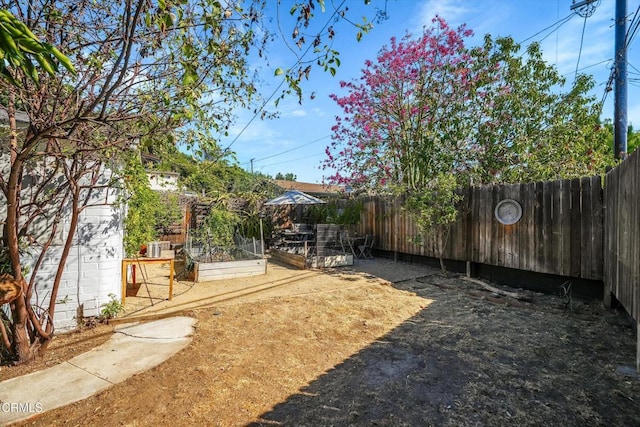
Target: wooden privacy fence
{"type": "Point", "coordinates": [560, 231]}
{"type": "Point", "coordinates": [582, 228]}
{"type": "Point", "coordinates": [622, 231]}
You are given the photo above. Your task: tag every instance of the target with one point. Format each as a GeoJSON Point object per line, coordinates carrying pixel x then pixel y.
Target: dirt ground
{"type": "Point", "coordinates": [414, 349]}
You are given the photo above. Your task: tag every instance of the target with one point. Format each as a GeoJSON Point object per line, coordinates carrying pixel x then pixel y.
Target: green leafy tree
{"type": "Point", "coordinates": [431, 115]}
{"type": "Point", "coordinates": [633, 137]}
{"type": "Point", "coordinates": [21, 49]}
{"type": "Point", "coordinates": [170, 211]}
{"type": "Point", "coordinates": [286, 177]}
{"type": "Point", "coordinates": [215, 235]}
{"type": "Point", "coordinates": [143, 208]}
{"type": "Point", "coordinates": [434, 209]}
{"type": "Point", "coordinates": [140, 68]}
{"type": "Point", "coordinates": [531, 122]}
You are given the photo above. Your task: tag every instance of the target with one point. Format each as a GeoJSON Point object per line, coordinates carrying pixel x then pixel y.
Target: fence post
{"type": "Point", "coordinates": [262, 239]}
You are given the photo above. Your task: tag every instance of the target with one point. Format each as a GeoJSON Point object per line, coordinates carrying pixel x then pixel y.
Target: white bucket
{"type": "Point", "coordinates": [154, 250]}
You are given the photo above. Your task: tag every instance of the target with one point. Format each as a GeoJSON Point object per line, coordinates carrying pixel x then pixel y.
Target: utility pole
{"type": "Point", "coordinates": [252, 165]}
{"type": "Point", "coordinates": [586, 8]}
{"type": "Point", "coordinates": [620, 109]}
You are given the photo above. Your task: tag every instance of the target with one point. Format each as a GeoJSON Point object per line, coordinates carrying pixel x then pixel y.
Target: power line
{"type": "Point", "coordinates": [631, 34]}
{"type": "Point", "coordinates": [584, 25]}
{"type": "Point", "coordinates": [292, 160]}
{"type": "Point", "coordinates": [589, 66]}
{"type": "Point", "coordinates": [293, 149]}
{"type": "Point", "coordinates": [298, 61]}
{"type": "Point", "coordinates": [556, 24]}
{"type": "Point", "coordinates": [633, 28]}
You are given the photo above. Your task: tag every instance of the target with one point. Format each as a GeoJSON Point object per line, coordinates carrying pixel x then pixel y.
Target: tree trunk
{"type": "Point", "coordinates": [20, 316]}
{"type": "Point", "coordinates": [21, 342]}
{"type": "Point", "coordinates": [443, 239]}
{"type": "Point", "coordinates": [44, 341]}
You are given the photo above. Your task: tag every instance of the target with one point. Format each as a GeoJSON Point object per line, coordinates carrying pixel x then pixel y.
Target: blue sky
{"type": "Point", "coordinates": [295, 142]}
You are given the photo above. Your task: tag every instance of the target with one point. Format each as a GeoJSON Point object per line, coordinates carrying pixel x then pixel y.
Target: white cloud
{"type": "Point", "coordinates": [453, 11]}
{"type": "Point", "coordinates": [320, 112]}
{"type": "Point", "coordinates": [489, 16]}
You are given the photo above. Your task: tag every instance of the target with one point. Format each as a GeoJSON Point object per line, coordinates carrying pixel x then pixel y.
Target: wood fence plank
{"type": "Point", "coordinates": [634, 240]}
{"type": "Point", "coordinates": [608, 239]}
{"type": "Point", "coordinates": [585, 228]}
{"type": "Point", "coordinates": [565, 226]}
{"type": "Point", "coordinates": [547, 228]}
{"type": "Point", "coordinates": [511, 249]}
{"type": "Point", "coordinates": [538, 241]}
{"type": "Point", "coordinates": [622, 223]}
{"type": "Point", "coordinates": [556, 227]}
{"type": "Point", "coordinates": [474, 223]}
{"type": "Point", "coordinates": [494, 243]}
{"type": "Point", "coordinates": [530, 234]}
{"type": "Point", "coordinates": [485, 224]}
{"type": "Point", "coordinates": [597, 228]}
{"type": "Point", "coordinates": [634, 257]}
{"type": "Point", "coordinates": [613, 212]}
{"type": "Point", "coordinates": [616, 243]}
{"type": "Point", "coordinates": [576, 243]}
{"type": "Point", "coordinates": [523, 240]}
{"type": "Point", "coordinates": [500, 237]}
{"type": "Point", "coordinates": [624, 217]}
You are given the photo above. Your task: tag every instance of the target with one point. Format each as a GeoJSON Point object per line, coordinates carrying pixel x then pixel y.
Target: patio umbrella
{"type": "Point", "coordinates": [294, 197]}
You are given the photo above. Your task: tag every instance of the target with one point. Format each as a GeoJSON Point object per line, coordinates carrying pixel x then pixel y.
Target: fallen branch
{"type": "Point", "coordinates": [496, 290]}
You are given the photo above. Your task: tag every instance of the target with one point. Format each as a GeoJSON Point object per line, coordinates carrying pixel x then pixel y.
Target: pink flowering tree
{"type": "Point", "coordinates": [431, 115]}
{"type": "Point", "coordinates": [402, 120]}
{"type": "Point", "coordinates": [409, 124]}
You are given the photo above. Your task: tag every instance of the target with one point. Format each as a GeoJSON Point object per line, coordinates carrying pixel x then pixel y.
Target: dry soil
{"type": "Point", "coordinates": [391, 345]}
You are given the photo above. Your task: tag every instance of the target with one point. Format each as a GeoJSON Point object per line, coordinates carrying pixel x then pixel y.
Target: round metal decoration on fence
{"type": "Point", "coordinates": [508, 212]}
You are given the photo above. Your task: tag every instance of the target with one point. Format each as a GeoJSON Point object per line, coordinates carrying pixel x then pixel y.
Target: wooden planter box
{"type": "Point", "coordinates": [208, 271]}
{"type": "Point", "coordinates": [331, 261]}
{"type": "Point", "coordinates": [299, 260]}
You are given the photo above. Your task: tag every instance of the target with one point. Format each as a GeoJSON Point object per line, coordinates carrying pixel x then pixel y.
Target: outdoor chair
{"type": "Point", "coordinates": [365, 248]}
{"type": "Point", "coordinates": [343, 241]}
{"type": "Point", "coordinates": [347, 243]}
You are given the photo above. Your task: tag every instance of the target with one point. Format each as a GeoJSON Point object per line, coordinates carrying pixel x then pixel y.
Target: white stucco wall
{"type": "Point", "coordinates": [92, 270]}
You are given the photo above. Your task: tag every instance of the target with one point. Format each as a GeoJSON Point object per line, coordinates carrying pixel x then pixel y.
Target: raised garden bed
{"type": "Point", "coordinates": [301, 261]}
{"type": "Point", "coordinates": [207, 271]}
{"type": "Point", "coordinates": [240, 264]}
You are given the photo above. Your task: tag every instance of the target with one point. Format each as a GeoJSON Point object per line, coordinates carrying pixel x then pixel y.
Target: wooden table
{"type": "Point", "coordinates": [132, 261]}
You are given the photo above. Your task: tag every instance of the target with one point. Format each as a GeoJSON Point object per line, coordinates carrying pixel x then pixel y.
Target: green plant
{"type": "Point", "coordinates": [349, 214]}
{"type": "Point", "coordinates": [143, 205]}
{"type": "Point", "coordinates": [434, 210]}
{"type": "Point", "coordinates": [336, 212]}
{"type": "Point", "coordinates": [215, 235]}
{"type": "Point", "coordinates": [111, 309]}
{"type": "Point", "coordinates": [168, 212]}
